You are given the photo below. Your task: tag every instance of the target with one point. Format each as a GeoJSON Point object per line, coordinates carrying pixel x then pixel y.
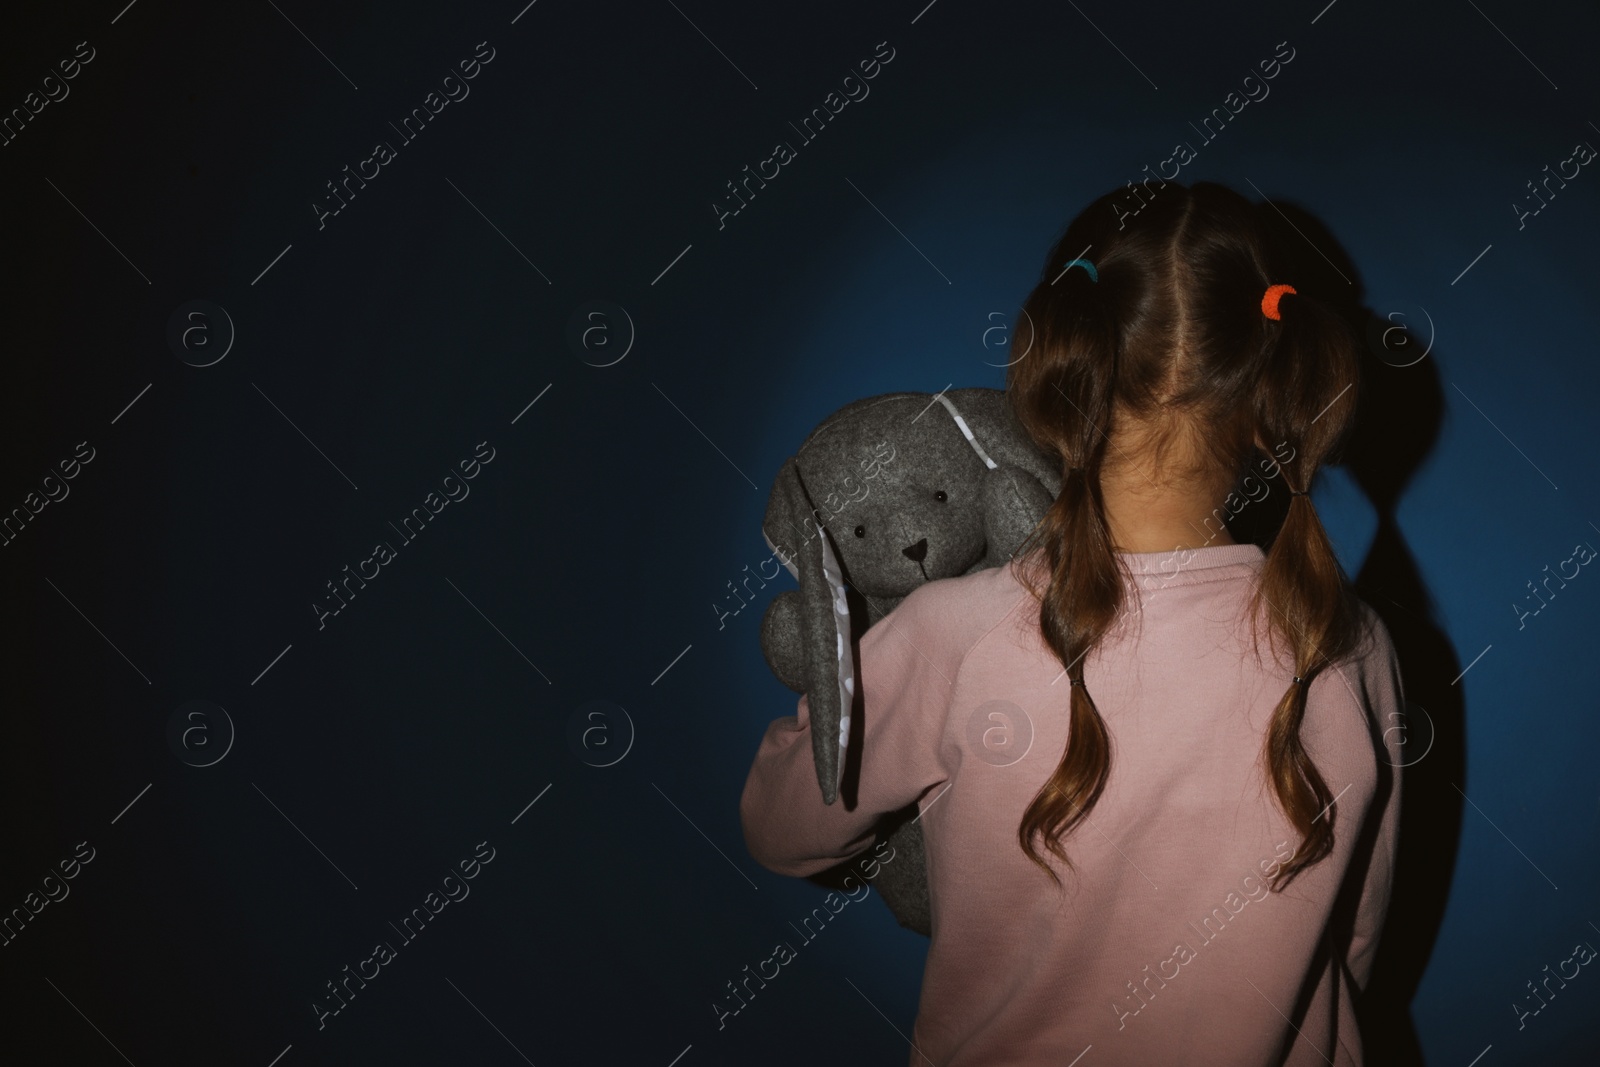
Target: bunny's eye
{"type": "Point", "coordinates": [940, 496]}
{"type": "Point", "coordinates": [861, 531]}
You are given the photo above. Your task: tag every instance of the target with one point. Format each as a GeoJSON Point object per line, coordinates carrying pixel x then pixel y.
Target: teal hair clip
{"type": "Point", "coordinates": [1094, 275]}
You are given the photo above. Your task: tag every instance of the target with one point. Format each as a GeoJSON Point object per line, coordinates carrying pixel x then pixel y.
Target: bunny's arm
{"type": "Point", "coordinates": [908, 664]}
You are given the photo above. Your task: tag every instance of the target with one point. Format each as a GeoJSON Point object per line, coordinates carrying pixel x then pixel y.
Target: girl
{"type": "Point", "coordinates": [1152, 838]}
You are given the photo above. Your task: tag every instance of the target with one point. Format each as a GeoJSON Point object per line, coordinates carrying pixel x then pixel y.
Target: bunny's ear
{"type": "Point", "coordinates": [1014, 502]}
{"type": "Point", "coordinates": [803, 546]}
{"type": "Point", "coordinates": [985, 416]}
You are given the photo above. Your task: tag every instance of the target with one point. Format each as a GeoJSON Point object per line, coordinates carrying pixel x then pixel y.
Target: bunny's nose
{"type": "Point", "coordinates": [917, 552]}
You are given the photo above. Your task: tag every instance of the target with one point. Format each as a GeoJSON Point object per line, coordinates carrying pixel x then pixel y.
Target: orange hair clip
{"type": "Point", "coordinates": [1269, 300]}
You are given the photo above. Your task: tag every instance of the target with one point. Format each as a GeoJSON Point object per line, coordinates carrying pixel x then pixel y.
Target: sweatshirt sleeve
{"type": "Point", "coordinates": [908, 663]}
{"type": "Point", "coordinates": [1386, 694]}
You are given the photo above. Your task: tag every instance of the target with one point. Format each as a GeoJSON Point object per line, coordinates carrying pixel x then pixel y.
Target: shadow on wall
{"type": "Point", "coordinates": [1397, 423]}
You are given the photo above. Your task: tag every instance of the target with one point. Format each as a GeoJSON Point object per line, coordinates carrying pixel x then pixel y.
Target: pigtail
{"type": "Point", "coordinates": [1305, 403]}
{"type": "Point", "coordinates": [1084, 591]}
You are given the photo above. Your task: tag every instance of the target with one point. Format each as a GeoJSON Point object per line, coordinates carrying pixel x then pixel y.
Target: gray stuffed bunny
{"type": "Point", "coordinates": [889, 493]}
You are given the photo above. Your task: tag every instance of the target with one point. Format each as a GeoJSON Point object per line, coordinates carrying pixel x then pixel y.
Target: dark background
{"type": "Point", "coordinates": [588, 561]}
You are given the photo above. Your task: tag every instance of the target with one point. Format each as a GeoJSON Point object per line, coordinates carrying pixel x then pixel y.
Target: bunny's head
{"type": "Point", "coordinates": [889, 493]}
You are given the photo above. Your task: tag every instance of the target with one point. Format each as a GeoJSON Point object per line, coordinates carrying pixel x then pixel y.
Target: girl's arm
{"type": "Point", "coordinates": [908, 664]}
{"type": "Point", "coordinates": [1386, 696]}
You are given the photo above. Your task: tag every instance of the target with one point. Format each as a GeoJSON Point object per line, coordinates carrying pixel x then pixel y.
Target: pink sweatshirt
{"type": "Point", "coordinates": [1165, 946]}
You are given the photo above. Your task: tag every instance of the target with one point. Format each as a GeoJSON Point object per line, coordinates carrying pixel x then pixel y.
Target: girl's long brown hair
{"type": "Point", "coordinates": [1173, 334]}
